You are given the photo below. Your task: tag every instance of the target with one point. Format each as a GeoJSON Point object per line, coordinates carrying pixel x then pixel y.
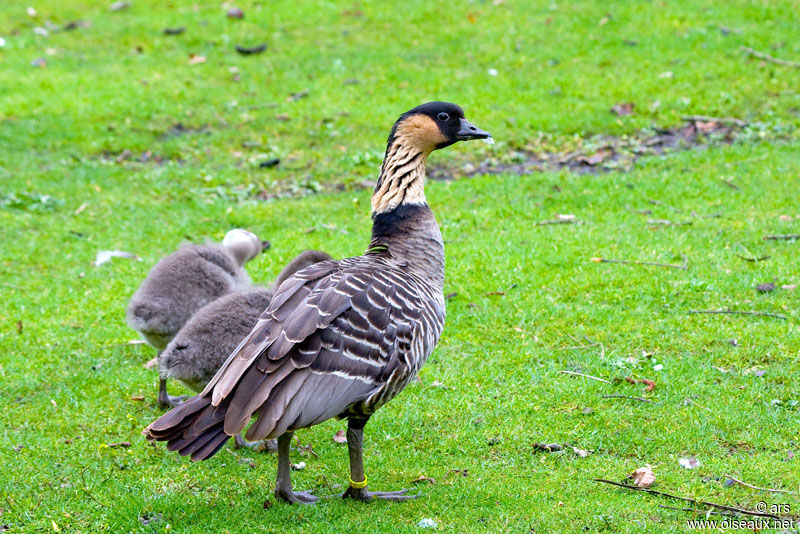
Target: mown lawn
{"type": "Point", "coordinates": [120, 142]}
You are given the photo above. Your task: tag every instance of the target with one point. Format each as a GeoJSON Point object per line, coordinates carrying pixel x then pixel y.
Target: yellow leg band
{"type": "Point", "coordinates": [358, 485]}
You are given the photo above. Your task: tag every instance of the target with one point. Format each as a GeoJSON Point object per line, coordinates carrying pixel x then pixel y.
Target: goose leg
{"type": "Point", "coordinates": [164, 399]}
{"type": "Point", "coordinates": [283, 485]}
{"type": "Point", "coordinates": [355, 440]}
{"type": "Point", "coordinates": [269, 445]}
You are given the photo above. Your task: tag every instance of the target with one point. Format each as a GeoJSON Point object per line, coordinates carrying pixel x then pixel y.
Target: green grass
{"type": "Point", "coordinates": [68, 376]}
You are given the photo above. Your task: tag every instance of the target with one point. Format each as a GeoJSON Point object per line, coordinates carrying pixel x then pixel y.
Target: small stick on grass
{"type": "Point", "coordinates": [745, 484]}
{"type": "Point", "coordinates": [602, 347]}
{"type": "Point", "coordinates": [665, 222]}
{"type": "Point", "coordinates": [557, 221]}
{"type": "Point", "coordinates": [772, 59]}
{"type": "Point", "coordinates": [693, 510]}
{"type": "Point", "coordinates": [784, 237]}
{"type": "Point", "coordinates": [590, 345]}
{"type": "Point", "coordinates": [723, 120]}
{"type": "Point", "coordinates": [684, 266]}
{"type": "Point", "coordinates": [737, 312]}
{"type": "Point", "coordinates": [640, 399]}
{"type": "Point", "coordinates": [86, 489]}
{"type": "Point", "coordinates": [687, 499]}
{"type": "Point", "coordinates": [585, 376]}
{"type": "Point", "coordinates": [659, 203]}
{"type": "Point", "coordinates": [759, 258]}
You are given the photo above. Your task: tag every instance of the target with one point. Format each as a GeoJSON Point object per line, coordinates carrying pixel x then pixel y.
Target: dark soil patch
{"type": "Point", "coordinates": [604, 153]}
{"type": "Point", "coordinates": [130, 156]}
{"type": "Point", "coordinates": [179, 129]}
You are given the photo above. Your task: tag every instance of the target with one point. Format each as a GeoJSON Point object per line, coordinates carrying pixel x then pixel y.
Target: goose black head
{"type": "Point", "coordinates": [435, 125]}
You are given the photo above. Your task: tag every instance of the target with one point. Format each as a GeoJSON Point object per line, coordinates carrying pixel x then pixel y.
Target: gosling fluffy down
{"type": "Point", "coordinates": [204, 343]}
{"type": "Point", "coordinates": [188, 279]}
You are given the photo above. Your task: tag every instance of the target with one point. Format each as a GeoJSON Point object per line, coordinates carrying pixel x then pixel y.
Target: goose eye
{"type": "Point", "coordinates": [443, 117]}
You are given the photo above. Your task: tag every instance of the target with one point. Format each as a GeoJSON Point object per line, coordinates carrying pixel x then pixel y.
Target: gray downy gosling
{"type": "Point", "coordinates": [185, 281]}
{"type": "Point", "coordinates": [200, 348]}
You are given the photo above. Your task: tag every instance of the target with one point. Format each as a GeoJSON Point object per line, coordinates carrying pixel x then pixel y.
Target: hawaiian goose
{"type": "Point", "coordinates": [185, 281]}
{"type": "Point", "coordinates": [340, 338]}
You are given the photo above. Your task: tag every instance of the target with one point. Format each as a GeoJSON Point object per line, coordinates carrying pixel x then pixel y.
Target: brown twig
{"type": "Point", "coordinates": [693, 510]}
{"type": "Point", "coordinates": [688, 499]}
{"type": "Point", "coordinates": [756, 487]}
{"type": "Point", "coordinates": [557, 221]}
{"type": "Point", "coordinates": [627, 397]}
{"type": "Point", "coordinates": [736, 312]}
{"type": "Point", "coordinates": [85, 489]}
{"type": "Point", "coordinates": [760, 258]}
{"type": "Point", "coordinates": [602, 347]}
{"type": "Point", "coordinates": [723, 120]}
{"type": "Point", "coordinates": [784, 237]}
{"type": "Point", "coordinates": [659, 203]}
{"type": "Point", "coordinates": [665, 222]}
{"type": "Point", "coordinates": [585, 376]}
{"type": "Point", "coordinates": [582, 346]}
{"type": "Point", "coordinates": [684, 266]}
{"type": "Point", "coordinates": [772, 59]}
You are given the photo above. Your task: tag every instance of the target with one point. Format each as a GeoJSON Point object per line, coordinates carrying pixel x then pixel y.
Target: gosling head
{"type": "Point", "coordinates": [243, 245]}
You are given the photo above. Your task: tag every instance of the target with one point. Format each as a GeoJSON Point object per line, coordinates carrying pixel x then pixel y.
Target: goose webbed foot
{"type": "Point", "coordinates": [295, 497]}
{"type": "Point", "coordinates": [283, 484]}
{"type": "Point", "coordinates": [358, 490]}
{"type": "Point", "coordinates": [269, 445]}
{"type": "Point", "coordinates": [363, 494]}
{"type": "Point", "coordinates": [171, 401]}
{"type": "Point", "coordinates": [165, 400]}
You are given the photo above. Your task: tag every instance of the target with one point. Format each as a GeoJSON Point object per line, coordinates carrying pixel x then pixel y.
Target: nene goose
{"type": "Point", "coordinates": [340, 338]}
{"type": "Point", "coordinates": [185, 281]}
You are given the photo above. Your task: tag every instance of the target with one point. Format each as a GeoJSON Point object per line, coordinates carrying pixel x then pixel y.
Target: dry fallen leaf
{"type": "Point", "coordinates": [649, 384]}
{"type": "Point", "coordinates": [594, 159]}
{"type": "Point", "coordinates": [251, 50]}
{"type": "Point", "coordinates": [689, 463]}
{"type": "Point", "coordinates": [105, 255]}
{"type": "Point", "coordinates": [119, 6]}
{"type": "Point", "coordinates": [339, 437]}
{"type": "Point", "coordinates": [766, 287]}
{"type": "Point", "coordinates": [623, 108]}
{"type": "Point", "coordinates": [580, 452]}
{"type": "Point", "coordinates": [137, 398]}
{"type": "Point", "coordinates": [643, 477]}
{"type": "Point", "coordinates": [235, 13]}
{"type": "Point", "coordinates": [423, 478]}
{"type": "Point", "coordinates": [547, 447]}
